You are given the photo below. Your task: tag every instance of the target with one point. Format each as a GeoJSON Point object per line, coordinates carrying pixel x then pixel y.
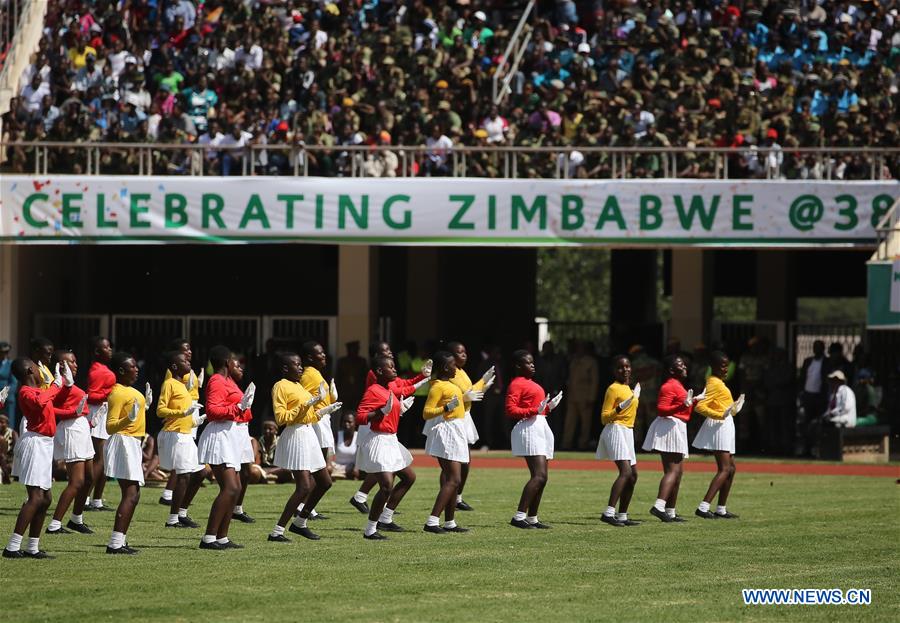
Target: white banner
{"type": "Point", "coordinates": [442, 211]}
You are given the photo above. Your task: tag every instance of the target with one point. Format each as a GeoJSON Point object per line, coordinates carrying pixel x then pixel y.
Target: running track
{"type": "Point", "coordinates": [652, 463]}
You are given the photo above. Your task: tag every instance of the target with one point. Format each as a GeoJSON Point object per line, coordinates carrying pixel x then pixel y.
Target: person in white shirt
{"type": "Point", "coordinates": [33, 93]}
{"type": "Point", "coordinates": [232, 146]}
{"type": "Point", "coordinates": [842, 402]}
{"type": "Point", "coordinates": [439, 147]}
{"type": "Point", "coordinates": [212, 137]}
{"type": "Point", "coordinates": [495, 126]}
{"type": "Point", "coordinates": [250, 54]}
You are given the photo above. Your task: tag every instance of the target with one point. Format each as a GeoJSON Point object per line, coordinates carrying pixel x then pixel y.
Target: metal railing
{"type": "Point", "coordinates": [887, 234]}
{"type": "Point", "coordinates": [512, 56]}
{"type": "Point", "coordinates": [560, 162]}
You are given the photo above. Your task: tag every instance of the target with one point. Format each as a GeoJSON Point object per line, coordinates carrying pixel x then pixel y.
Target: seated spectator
{"type": "Point", "coordinates": [150, 460]}
{"type": "Point", "coordinates": [267, 444]}
{"type": "Point", "coordinates": [8, 439]}
{"type": "Point", "coordinates": [344, 458]}
{"type": "Point", "coordinates": [867, 399]}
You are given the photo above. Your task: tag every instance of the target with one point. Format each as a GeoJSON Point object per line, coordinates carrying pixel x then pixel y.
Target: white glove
{"type": "Point", "coordinates": [312, 400]}
{"type": "Point", "coordinates": [4, 394]}
{"type": "Point", "coordinates": [543, 406]}
{"type": "Point", "coordinates": [99, 415]}
{"type": "Point", "coordinates": [427, 367]}
{"type": "Point", "coordinates": [247, 400]}
{"type": "Point", "coordinates": [68, 379]}
{"type": "Point", "coordinates": [193, 409]}
{"type": "Point", "coordinates": [334, 391]}
{"type": "Point", "coordinates": [473, 396]}
{"type": "Point", "coordinates": [329, 409]}
{"type": "Point", "coordinates": [701, 395]}
{"type": "Point", "coordinates": [388, 405]}
{"type": "Point", "coordinates": [197, 419]}
{"type": "Point", "coordinates": [192, 380]}
{"type": "Point", "coordinates": [323, 391]}
{"type": "Point", "coordinates": [135, 410]}
{"type": "Point", "coordinates": [729, 411]}
{"type": "Point", "coordinates": [488, 377]}
{"type": "Point", "coordinates": [690, 398]}
{"type": "Point", "coordinates": [450, 406]}
{"type": "Point", "coordinates": [201, 377]}
{"type": "Point", "coordinates": [80, 408]}
{"type": "Point", "coordinates": [637, 390]}
{"type": "Point", "coordinates": [739, 404]}
{"type": "Point", "coordinates": [419, 384]}
{"type": "Point", "coordinates": [406, 404]}
{"type": "Point", "coordinates": [148, 396]}
{"type": "Point", "coordinates": [554, 402]}
{"type": "Point", "coordinates": [57, 377]}
{"type": "Point", "coordinates": [625, 404]}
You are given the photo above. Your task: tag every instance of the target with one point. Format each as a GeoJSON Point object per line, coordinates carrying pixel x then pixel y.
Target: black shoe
{"type": "Point", "coordinates": [362, 507]}
{"type": "Point", "coordinates": [459, 529]}
{"type": "Point", "coordinates": [389, 527]}
{"type": "Point", "coordinates": [79, 527]}
{"type": "Point", "coordinates": [704, 514]}
{"type": "Point", "coordinates": [40, 554]}
{"type": "Point", "coordinates": [631, 522]}
{"type": "Point", "coordinates": [317, 517]}
{"type": "Point", "coordinates": [10, 554]}
{"type": "Point", "coordinates": [231, 545]}
{"type": "Point", "coordinates": [213, 545]}
{"type": "Point", "coordinates": [725, 515]}
{"type": "Point", "coordinates": [375, 536]}
{"type": "Point", "coordinates": [304, 532]}
{"type": "Point", "coordinates": [661, 515]}
{"type": "Point", "coordinates": [521, 523]}
{"type": "Point", "coordinates": [462, 506]}
{"type": "Point", "coordinates": [165, 502]}
{"type": "Point", "coordinates": [434, 529]}
{"type": "Point", "coordinates": [98, 508]}
{"type": "Point", "coordinates": [243, 517]}
{"type": "Point", "coordinates": [678, 519]}
{"type": "Point", "coordinates": [176, 525]}
{"type": "Point", "coordinates": [541, 526]}
{"type": "Point", "coordinates": [611, 520]}
{"type": "Point", "coordinates": [120, 550]}
{"type": "Point", "coordinates": [280, 538]}
{"type": "Point", "coordinates": [57, 531]}
{"type": "Point", "coordinates": [187, 522]}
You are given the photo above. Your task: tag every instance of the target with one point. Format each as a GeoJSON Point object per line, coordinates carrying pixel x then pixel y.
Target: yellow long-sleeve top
{"type": "Point", "coordinates": [718, 398]}
{"type": "Point", "coordinates": [46, 376]}
{"type": "Point", "coordinates": [462, 381]}
{"type": "Point", "coordinates": [121, 401]}
{"type": "Point", "coordinates": [174, 400]}
{"type": "Point", "coordinates": [311, 379]}
{"type": "Point", "coordinates": [439, 394]}
{"type": "Point", "coordinates": [289, 400]}
{"type": "Point", "coordinates": [195, 391]}
{"type": "Point", "coordinates": [616, 393]}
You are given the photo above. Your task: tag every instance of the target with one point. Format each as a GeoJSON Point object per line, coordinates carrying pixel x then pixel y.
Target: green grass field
{"type": "Point", "coordinates": [794, 532]}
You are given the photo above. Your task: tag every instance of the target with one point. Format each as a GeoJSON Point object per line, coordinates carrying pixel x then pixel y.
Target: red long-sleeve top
{"type": "Point", "coordinates": [375, 397]}
{"type": "Point", "coordinates": [672, 395]}
{"type": "Point", "coordinates": [523, 397]}
{"type": "Point", "coordinates": [66, 402]}
{"type": "Point", "coordinates": [100, 382]}
{"type": "Point", "coordinates": [222, 398]}
{"type": "Point", "coordinates": [37, 405]}
{"type": "Point", "coordinates": [371, 379]}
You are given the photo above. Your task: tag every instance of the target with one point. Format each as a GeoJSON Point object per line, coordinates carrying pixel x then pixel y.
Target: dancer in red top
{"type": "Point", "coordinates": [382, 455]}
{"type": "Point", "coordinates": [100, 382]}
{"type": "Point", "coordinates": [668, 436]}
{"type": "Point", "coordinates": [531, 437]}
{"type": "Point", "coordinates": [35, 448]}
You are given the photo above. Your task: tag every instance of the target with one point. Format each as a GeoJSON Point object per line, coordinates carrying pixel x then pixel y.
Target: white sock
{"type": "Point", "coordinates": [277, 530]}
{"type": "Point", "coordinates": [15, 542]}
{"type": "Point", "coordinates": [300, 508]}
{"type": "Point", "coordinates": [300, 522]}
{"type": "Point", "coordinates": [660, 504]}
{"type": "Point", "coordinates": [95, 503]}
{"type": "Point", "coordinates": [704, 507]}
{"type": "Point", "coordinates": [532, 520]}
{"type": "Point", "coordinates": [720, 510]}
{"type": "Point", "coordinates": [33, 545]}
{"type": "Point", "coordinates": [459, 498]}
{"type": "Point", "coordinates": [622, 516]}
{"type": "Point", "coordinates": [610, 511]}
{"type": "Point", "coordinates": [432, 521]}
{"type": "Point", "coordinates": [173, 518]}
{"type": "Point", "coordinates": [313, 513]}
{"type": "Point", "coordinates": [222, 541]}
{"type": "Point", "coordinates": [360, 497]}
{"type": "Point", "coordinates": [670, 512]}
{"type": "Point", "coordinates": [116, 540]}
{"type": "Point", "coordinates": [79, 519]}
{"type": "Point", "coordinates": [208, 538]}
{"type": "Point", "coordinates": [54, 525]}
{"type": "Point", "coordinates": [167, 495]}
{"type": "Point", "coordinates": [182, 512]}
{"type": "Point", "coordinates": [239, 509]}
{"type": "Point", "coordinates": [519, 516]}
{"type": "Point", "coordinates": [371, 527]}
{"type": "Point", "coordinates": [450, 524]}
{"type": "Point", "coordinates": [387, 515]}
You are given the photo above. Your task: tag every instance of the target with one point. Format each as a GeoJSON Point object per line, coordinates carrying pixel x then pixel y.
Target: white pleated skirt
{"type": "Point", "coordinates": [383, 452]}
{"type": "Point", "coordinates": [324, 433]}
{"type": "Point", "coordinates": [122, 458]}
{"type": "Point", "coordinates": [667, 434]}
{"type": "Point", "coordinates": [448, 440]}
{"type": "Point", "coordinates": [532, 437]}
{"type": "Point", "coordinates": [242, 444]}
{"type": "Point", "coordinates": [217, 445]}
{"type": "Point", "coordinates": [178, 451]}
{"type": "Point", "coordinates": [99, 431]}
{"type": "Point", "coordinates": [362, 434]}
{"type": "Point", "coordinates": [471, 431]}
{"type": "Point", "coordinates": [716, 435]}
{"type": "Point", "coordinates": [34, 453]}
{"type": "Point", "coordinates": [72, 441]}
{"type": "Point", "coordinates": [617, 444]}
{"type": "Point", "coordinates": [298, 449]}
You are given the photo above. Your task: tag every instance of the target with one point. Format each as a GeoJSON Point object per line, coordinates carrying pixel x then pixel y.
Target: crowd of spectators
{"type": "Point", "coordinates": [762, 76]}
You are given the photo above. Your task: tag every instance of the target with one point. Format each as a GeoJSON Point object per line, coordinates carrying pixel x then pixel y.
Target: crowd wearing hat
{"type": "Point", "coordinates": [761, 76]}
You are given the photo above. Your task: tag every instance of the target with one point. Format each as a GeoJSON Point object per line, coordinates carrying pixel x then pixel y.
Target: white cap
{"type": "Point", "coordinates": [584, 47]}
{"type": "Point", "coordinates": [479, 15]}
{"type": "Point", "coordinates": [837, 374]}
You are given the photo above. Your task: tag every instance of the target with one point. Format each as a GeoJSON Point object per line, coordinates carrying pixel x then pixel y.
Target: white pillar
{"type": "Point", "coordinates": [691, 296]}
{"type": "Point", "coordinates": [9, 296]}
{"type": "Point", "coordinates": [357, 274]}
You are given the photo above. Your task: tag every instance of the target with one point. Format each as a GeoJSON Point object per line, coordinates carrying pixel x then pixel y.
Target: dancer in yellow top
{"type": "Point", "coordinates": [617, 440]}
{"type": "Point", "coordinates": [314, 362]}
{"type": "Point", "coordinates": [717, 435]}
